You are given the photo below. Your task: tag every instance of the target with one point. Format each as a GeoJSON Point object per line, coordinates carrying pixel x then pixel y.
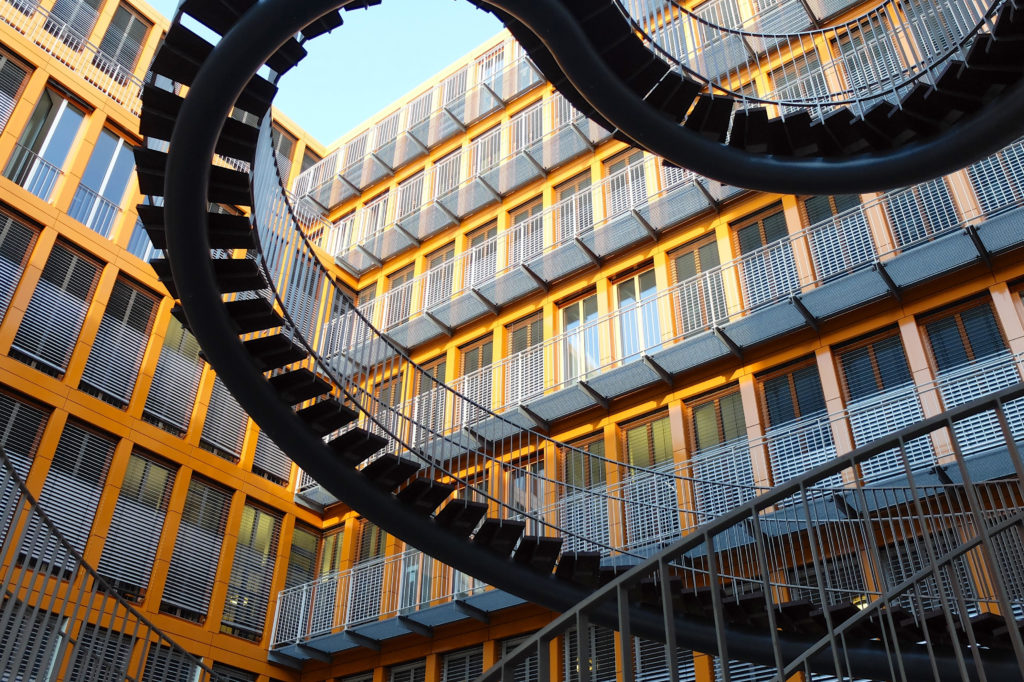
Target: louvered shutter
{"type": "Point", "coordinates": [602, 655]}
{"type": "Point", "coordinates": [193, 566]}
{"type": "Point", "coordinates": [57, 310]}
{"type": "Point", "coordinates": [16, 240]}
{"type": "Point", "coordinates": [224, 428]}
{"type": "Point", "coordinates": [164, 664]}
{"type": "Point", "coordinates": [651, 665]}
{"type": "Point", "coordinates": [21, 426]}
{"type": "Point", "coordinates": [302, 557]}
{"type": "Point", "coordinates": [227, 673]}
{"type": "Point", "coordinates": [124, 37]}
{"type": "Point", "coordinates": [172, 393]}
{"type": "Point", "coordinates": [874, 368]}
{"type": "Point", "coordinates": [36, 633]}
{"type": "Point", "coordinates": [245, 607]}
{"type": "Point", "coordinates": [743, 671]}
{"type": "Point", "coordinates": [11, 77]}
{"type": "Point", "coordinates": [134, 533]}
{"type": "Point", "coordinates": [76, 16]}
{"type": "Point", "coordinates": [411, 672]}
{"type": "Point", "coordinates": [980, 337]}
{"type": "Point", "coordinates": [116, 355]}
{"type": "Point", "coordinates": [74, 483]}
{"type": "Point", "coordinates": [529, 669]}
{"type": "Point", "coordinates": [366, 677]}
{"type": "Point", "coordinates": [463, 666]}
{"type": "Point", "coordinates": [101, 655]}
{"type": "Point", "coordinates": [270, 461]}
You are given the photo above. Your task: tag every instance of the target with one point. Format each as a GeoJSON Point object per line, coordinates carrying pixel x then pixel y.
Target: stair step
{"type": "Point", "coordinates": [710, 117]}
{"type": "Point", "coordinates": [499, 535]}
{"type": "Point", "coordinates": [889, 124]}
{"type": "Point", "coordinates": [327, 416]}
{"type": "Point", "coordinates": [425, 495]}
{"type": "Point", "coordinates": [1009, 23]}
{"type": "Point", "coordinates": [847, 130]}
{"type": "Point", "coordinates": [299, 385]}
{"type": "Point", "coordinates": [991, 55]}
{"type": "Point", "coordinates": [793, 615]}
{"type": "Point", "coordinates": [237, 274]}
{"type": "Point", "coordinates": [178, 313]}
{"type": "Point", "coordinates": [635, 64]}
{"type": "Point", "coordinates": [253, 315]}
{"type": "Point", "coordinates": [227, 186]}
{"type": "Point", "coordinates": [579, 567]}
{"type": "Point", "coordinates": [160, 110]}
{"type": "Point", "coordinates": [225, 231]}
{"type": "Point", "coordinates": [801, 134]}
{"type": "Point", "coordinates": [673, 95]}
{"type": "Point", "coordinates": [324, 24]}
{"type": "Point", "coordinates": [356, 445]}
{"type": "Point", "coordinates": [915, 104]}
{"type": "Point", "coordinates": [539, 552]}
{"type": "Point", "coordinates": [778, 138]}
{"type": "Point", "coordinates": [276, 350]}
{"type": "Point", "coordinates": [163, 273]}
{"type": "Point", "coordinates": [461, 517]}
{"type": "Point", "coordinates": [388, 472]}
{"type": "Point", "coordinates": [750, 130]}
{"type": "Point", "coordinates": [606, 574]}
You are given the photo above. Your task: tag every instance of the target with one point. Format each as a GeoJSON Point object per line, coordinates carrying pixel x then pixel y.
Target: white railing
{"type": "Point", "coordinates": [32, 172]}
{"type": "Point", "coordinates": [94, 211]}
{"type": "Point", "coordinates": [69, 44]}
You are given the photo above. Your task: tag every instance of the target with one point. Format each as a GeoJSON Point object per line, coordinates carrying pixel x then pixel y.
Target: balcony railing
{"type": "Point", "coordinates": [405, 135]}
{"type": "Point", "coordinates": [32, 172]}
{"type": "Point", "coordinates": [94, 211]}
{"type": "Point", "coordinates": [61, 32]}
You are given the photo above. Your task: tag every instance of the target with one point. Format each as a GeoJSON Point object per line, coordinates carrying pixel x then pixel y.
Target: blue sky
{"type": "Point", "coordinates": [376, 57]}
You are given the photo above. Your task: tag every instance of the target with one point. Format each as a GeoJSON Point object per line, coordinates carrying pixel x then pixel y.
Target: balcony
{"type": "Point", "coordinates": [63, 33]}
{"type": "Point", "coordinates": [94, 211]}
{"type": "Point", "coordinates": [33, 172]}
{"type": "Point", "coordinates": [431, 119]}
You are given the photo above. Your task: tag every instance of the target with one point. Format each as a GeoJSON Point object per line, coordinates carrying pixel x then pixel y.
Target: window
{"type": "Point", "coordinates": [43, 147]}
{"type": "Point", "coordinates": [526, 127]}
{"type": "Point", "coordinates": [12, 77]}
{"type": "Point", "coordinates": [574, 211]}
{"type": "Point", "coordinates": [56, 312]}
{"type": "Point", "coordinates": [649, 441]}
{"type": "Point", "coordinates": [440, 276]}
{"type": "Point", "coordinates": [302, 557]}
{"type": "Point", "coordinates": [225, 424]}
{"type": "Point", "coordinates": [639, 320]}
{"type": "Point", "coordinates": [228, 673]}
{"type": "Point", "coordinates": [270, 462]}
{"type": "Point", "coordinates": [581, 471]}
{"type": "Point", "coordinates": [366, 583]}
{"type": "Point", "coordinates": [873, 366]}
{"type": "Point", "coordinates": [524, 359]}
{"type": "Point", "coordinates": [529, 669]}
{"type": "Point", "coordinates": [820, 208]}
{"type": "Point", "coordinates": [140, 245]}
{"type": "Point", "coordinates": [868, 56]}
{"type": "Point", "coordinates": [355, 149]}
{"type": "Point", "coordinates": [410, 195]}
{"type": "Point", "coordinates": [122, 43]}
{"type": "Point", "coordinates": [794, 394]}
{"type": "Point", "coordinates": [602, 655]}
{"type": "Point", "coordinates": [410, 672]}
{"type": "Point", "coordinates": [330, 551]}
{"type": "Point", "coordinates": [245, 605]}
{"type": "Point", "coordinates": [398, 301]}
{"type": "Point", "coordinates": [284, 149]}
{"type": "Point", "coordinates": [489, 68]}
{"type": "Point", "coordinates": [767, 272]}
{"type": "Point", "coordinates": [453, 91]}
{"type": "Point", "coordinates": [841, 238]}
{"type": "Point", "coordinates": [193, 565]}
{"type": "Point", "coordinates": [309, 159]}
{"type": "Point", "coordinates": [417, 580]}
{"type": "Point", "coordinates": [116, 354]}
{"type": "Point", "coordinates": [698, 301]}
{"type": "Point", "coordinates": [581, 341]}
{"type": "Point", "coordinates": [372, 542]}
{"type": "Point", "coordinates": [626, 183]}
{"type": "Point", "coordinates": [419, 111]}
{"type": "Point", "coordinates": [482, 255]}
{"type": "Point", "coordinates": [134, 533]}
{"type": "Point", "coordinates": [73, 20]}
{"type": "Point", "coordinates": [526, 490]}
{"type": "Point", "coordinates": [800, 80]}
{"type": "Point", "coordinates": [385, 131]}
{"type": "Point", "coordinates": [999, 180]}
{"type": "Point", "coordinates": [21, 427]}
{"type": "Point", "coordinates": [446, 173]}
{"type": "Point", "coordinates": [16, 242]}
{"type": "Point", "coordinates": [175, 380]}
{"type": "Point", "coordinates": [462, 666]}
{"type": "Point", "coordinates": [964, 336]}
{"type": "Point", "coordinates": [476, 383]}
{"type": "Point", "coordinates": [430, 402]}
{"type": "Point", "coordinates": [485, 151]}
{"type": "Point", "coordinates": [718, 420]}
{"type": "Point", "coordinates": [527, 239]}
{"type": "Point", "coordinates": [375, 216]}
{"type": "Point", "coordinates": [101, 654]}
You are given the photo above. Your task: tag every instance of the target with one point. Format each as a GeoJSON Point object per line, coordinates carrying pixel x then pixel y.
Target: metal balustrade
{"type": "Point", "coordinates": [32, 172]}
{"type": "Point", "coordinates": [878, 54]}
{"type": "Point", "coordinates": [63, 33]}
{"type": "Point", "coordinates": [920, 577]}
{"type": "Point", "coordinates": [93, 210]}
{"type": "Point", "coordinates": [408, 134]}
{"type": "Point", "coordinates": [59, 614]}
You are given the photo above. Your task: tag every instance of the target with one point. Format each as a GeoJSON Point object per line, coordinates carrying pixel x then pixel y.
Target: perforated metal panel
{"type": "Point", "coordinates": [168, 665]}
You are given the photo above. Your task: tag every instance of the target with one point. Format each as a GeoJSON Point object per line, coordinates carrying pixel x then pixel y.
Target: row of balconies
{"type": "Point", "coordinates": [642, 510]}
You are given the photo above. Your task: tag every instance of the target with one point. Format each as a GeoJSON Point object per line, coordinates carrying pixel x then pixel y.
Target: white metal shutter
{"type": "Point", "coordinates": [227, 673]}
{"type": "Point", "coordinates": [463, 666]}
{"type": "Point", "coordinates": [172, 393]}
{"type": "Point", "coordinates": [921, 212]}
{"type": "Point", "coordinates": [57, 309]}
{"type": "Point", "coordinates": [124, 37]}
{"type": "Point", "coordinates": [100, 655]}
{"type": "Point", "coordinates": [79, 16]}
{"type": "Point", "coordinates": [224, 428]}
{"type": "Point", "coordinates": [743, 671]}
{"type": "Point", "coordinates": [116, 354]}
{"type": "Point", "coordinates": [164, 664]}
{"type": "Point", "coordinates": [529, 669]}
{"type": "Point", "coordinates": [270, 461]}
{"type": "Point", "coordinates": [20, 428]}
{"type": "Point", "coordinates": [410, 672]}
{"type": "Point", "coordinates": [16, 240]}
{"type": "Point", "coordinates": [651, 666]}
{"type": "Point", "coordinates": [75, 482]}
{"type": "Point", "coordinates": [11, 78]}
{"type": "Point", "coordinates": [134, 533]}
{"type": "Point", "coordinates": [602, 655]}
{"type": "Point", "coordinates": [193, 566]}
{"type": "Point", "coordinates": [28, 642]}
{"type": "Point", "coordinates": [999, 179]}
{"type": "Point", "coordinates": [245, 607]}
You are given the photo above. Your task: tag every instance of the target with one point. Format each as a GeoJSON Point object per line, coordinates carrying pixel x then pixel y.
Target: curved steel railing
{"type": "Point", "coordinates": [918, 579]}
{"type": "Point", "coordinates": [877, 55]}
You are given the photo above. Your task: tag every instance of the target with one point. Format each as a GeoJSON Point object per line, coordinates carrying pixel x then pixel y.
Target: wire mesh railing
{"type": "Point", "coordinates": [892, 582]}
{"type": "Point", "coordinates": [58, 616]}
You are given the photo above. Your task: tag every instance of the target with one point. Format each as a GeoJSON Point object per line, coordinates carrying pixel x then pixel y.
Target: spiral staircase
{"type": "Point", "coordinates": [310, 368]}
